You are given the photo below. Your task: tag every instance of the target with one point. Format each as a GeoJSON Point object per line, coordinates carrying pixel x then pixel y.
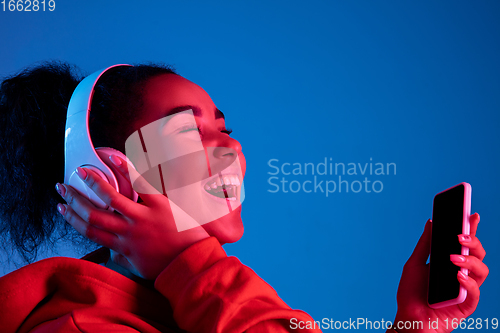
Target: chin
{"type": "Point", "coordinates": [227, 229]}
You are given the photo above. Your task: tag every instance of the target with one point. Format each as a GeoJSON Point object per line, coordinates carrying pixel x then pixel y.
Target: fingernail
{"type": "Point", "coordinates": [81, 173]}
{"type": "Point", "coordinates": [60, 189]}
{"type": "Point", "coordinates": [457, 258]}
{"type": "Point", "coordinates": [61, 209]}
{"type": "Point", "coordinates": [116, 161]}
{"type": "Point", "coordinates": [462, 276]}
{"type": "Point", "coordinates": [464, 238]}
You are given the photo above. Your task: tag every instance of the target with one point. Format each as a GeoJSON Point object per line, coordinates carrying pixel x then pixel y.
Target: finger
{"type": "Point", "coordinates": [476, 267]}
{"type": "Point", "coordinates": [475, 247]}
{"type": "Point", "coordinates": [474, 221]}
{"type": "Point", "coordinates": [108, 194]}
{"type": "Point", "coordinates": [90, 214]}
{"type": "Point", "coordinates": [470, 303]}
{"type": "Point", "coordinates": [148, 193]}
{"type": "Point", "coordinates": [87, 230]}
{"type": "Point", "coordinates": [422, 249]}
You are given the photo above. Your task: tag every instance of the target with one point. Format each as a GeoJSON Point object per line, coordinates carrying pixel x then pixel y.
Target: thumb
{"type": "Point", "coordinates": [423, 247]}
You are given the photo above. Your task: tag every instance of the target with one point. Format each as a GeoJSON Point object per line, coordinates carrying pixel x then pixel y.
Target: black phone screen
{"type": "Point", "coordinates": [447, 219]}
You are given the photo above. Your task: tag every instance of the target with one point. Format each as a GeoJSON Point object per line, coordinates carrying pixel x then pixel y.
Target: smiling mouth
{"type": "Point", "coordinates": [223, 186]}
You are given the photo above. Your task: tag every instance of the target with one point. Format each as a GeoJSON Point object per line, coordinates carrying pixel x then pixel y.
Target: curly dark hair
{"type": "Point", "coordinates": [33, 106]}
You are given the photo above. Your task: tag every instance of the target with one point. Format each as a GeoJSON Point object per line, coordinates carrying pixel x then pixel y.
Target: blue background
{"type": "Point", "coordinates": [415, 83]}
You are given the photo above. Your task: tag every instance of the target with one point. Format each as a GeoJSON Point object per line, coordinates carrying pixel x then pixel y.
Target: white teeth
{"type": "Point", "coordinates": [219, 181]}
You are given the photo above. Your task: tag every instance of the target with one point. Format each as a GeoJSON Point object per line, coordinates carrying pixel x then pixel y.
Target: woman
{"type": "Point", "coordinates": [157, 278]}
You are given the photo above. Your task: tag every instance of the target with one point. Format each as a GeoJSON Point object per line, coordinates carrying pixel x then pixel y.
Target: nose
{"type": "Point", "coordinates": [224, 145]}
{"type": "Point", "coordinates": [222, 151]}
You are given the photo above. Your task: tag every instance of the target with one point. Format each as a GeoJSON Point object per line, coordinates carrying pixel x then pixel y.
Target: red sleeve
{"type": "Point", "coordinates": [211, 292]}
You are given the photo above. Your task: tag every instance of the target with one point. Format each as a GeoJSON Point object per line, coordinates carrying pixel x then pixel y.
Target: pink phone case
{"type": "Point", "coordinates": [465, 250]}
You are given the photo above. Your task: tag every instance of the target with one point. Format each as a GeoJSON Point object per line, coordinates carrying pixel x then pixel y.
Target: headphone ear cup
{"type": "Point", "coordinates": [124, 186]}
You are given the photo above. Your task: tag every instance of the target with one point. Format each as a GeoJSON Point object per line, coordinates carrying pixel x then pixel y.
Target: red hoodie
{"type": "Point", "coordinates": [202, 290]}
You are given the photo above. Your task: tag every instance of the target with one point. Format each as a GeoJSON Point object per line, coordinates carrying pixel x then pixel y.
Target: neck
{"type": "Point", "coordinates": [125, 272]}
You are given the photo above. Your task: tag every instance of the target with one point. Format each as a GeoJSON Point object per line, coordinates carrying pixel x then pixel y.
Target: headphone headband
{"type": "Point", "coordinates": [79, 150]}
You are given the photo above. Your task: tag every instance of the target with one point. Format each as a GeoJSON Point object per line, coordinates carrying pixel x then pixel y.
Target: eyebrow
{"type": "Point", "coordinates": [219, 114]}
{"type": "Point", "coordinates": [196, 111]}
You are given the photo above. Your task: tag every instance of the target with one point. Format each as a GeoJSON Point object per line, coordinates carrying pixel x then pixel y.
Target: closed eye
{"type": "Point", "coordinates": [193, 127]}
{"type": "Point", "coordinates": [228, 131]}
{"type": "Point", "coordinates": [189, 128]}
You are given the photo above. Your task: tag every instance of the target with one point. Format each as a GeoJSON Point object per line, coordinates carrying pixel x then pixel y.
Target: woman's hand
{"type": "Point", "coordinates": [412, 291]}
{"type": "Point", "coordinates": [143, 236]}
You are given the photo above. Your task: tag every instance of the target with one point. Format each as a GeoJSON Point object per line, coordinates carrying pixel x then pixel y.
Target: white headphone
{"type": "Point", "coordinates": [79, 150]}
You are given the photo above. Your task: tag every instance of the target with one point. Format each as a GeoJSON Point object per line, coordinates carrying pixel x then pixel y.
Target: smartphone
{"type": "Point", "coordinates": [450, 218]}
